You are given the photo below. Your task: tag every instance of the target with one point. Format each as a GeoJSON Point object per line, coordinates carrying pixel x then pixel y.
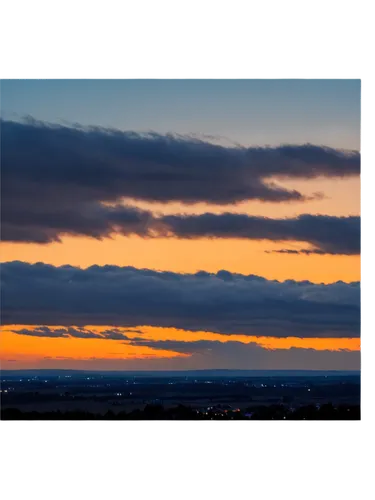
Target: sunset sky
{"type": "Point", "coordinates": [180, 224]}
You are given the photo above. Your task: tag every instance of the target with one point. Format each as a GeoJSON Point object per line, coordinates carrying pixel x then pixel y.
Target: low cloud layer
{"type": "Point", "coordinates": [214, 355]}
{"type": "Point", "coordinates": [227, 303]}
{"type": "Point", "coordinates": [59, 180]}
{"type": "Point", "coordinates": [254, 357]}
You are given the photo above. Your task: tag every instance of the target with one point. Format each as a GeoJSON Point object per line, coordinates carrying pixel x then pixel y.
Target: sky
{"type": "Point", "coordinates": [180, 224]}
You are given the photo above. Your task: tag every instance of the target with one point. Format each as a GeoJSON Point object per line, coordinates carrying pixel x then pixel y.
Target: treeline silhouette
{"type": "Point", "coordinates": [181, 412]}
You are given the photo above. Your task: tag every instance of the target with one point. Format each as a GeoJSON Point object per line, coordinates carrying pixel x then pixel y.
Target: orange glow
{"type": "Point", "coordinates": [181, 256]}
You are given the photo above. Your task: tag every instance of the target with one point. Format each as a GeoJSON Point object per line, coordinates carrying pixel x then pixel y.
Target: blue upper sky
{"type": "Point", "coordinates": [251, 112]}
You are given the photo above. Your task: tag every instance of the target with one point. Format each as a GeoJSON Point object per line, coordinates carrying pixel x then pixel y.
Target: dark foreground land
{"type": "Point", "coordinates": [203, 395]}
{"type": "Point", "coordinates": [274, 414]}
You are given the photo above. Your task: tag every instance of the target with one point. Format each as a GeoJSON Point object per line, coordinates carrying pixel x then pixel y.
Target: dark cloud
{"type": "Point", "coordinates": [39, 225]}
{"type": "Point", "coordinates": [58, 180]}
{"type": "Point", "coordinates": [223, 302]}
{"type": "Point", "coordinates": [72, 332]}
{"type": "Point", "coordinates": [47, 216]}
{"type": "Point", "coordinates": [332, 235]}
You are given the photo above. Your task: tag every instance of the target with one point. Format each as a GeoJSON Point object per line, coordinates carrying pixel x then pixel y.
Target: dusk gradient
{"type": "Point", "coordinates": [180, 224]}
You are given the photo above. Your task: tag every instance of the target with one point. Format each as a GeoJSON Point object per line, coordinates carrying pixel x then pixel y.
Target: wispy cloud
{"type": "Point", "coordinates": [73, 332]}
